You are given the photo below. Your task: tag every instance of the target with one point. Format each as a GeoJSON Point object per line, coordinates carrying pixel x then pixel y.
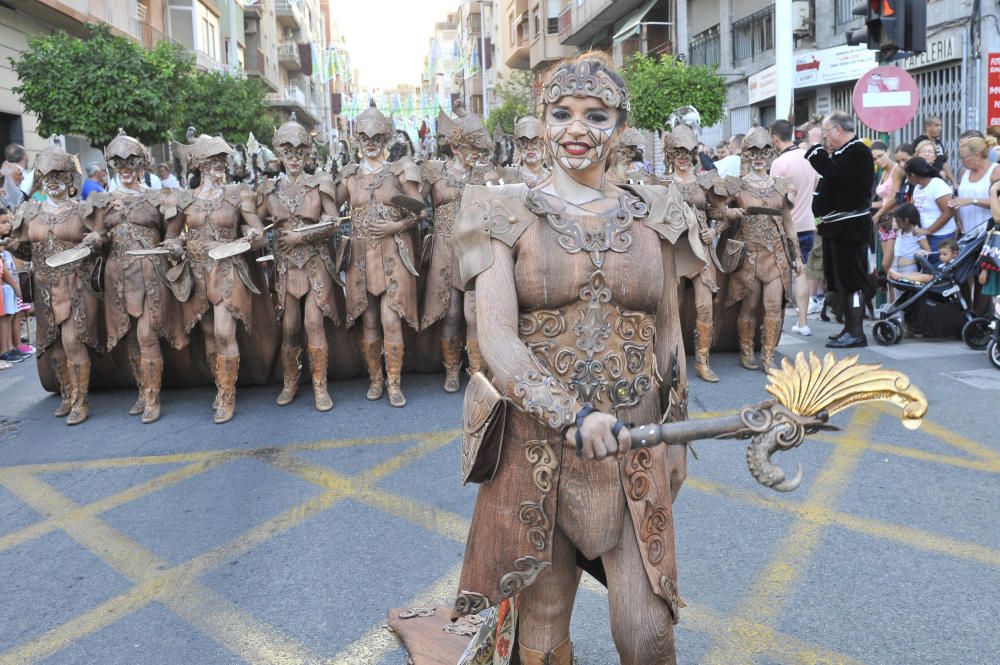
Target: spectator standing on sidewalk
{"type": "Point", "coordinates": [843, 202]}
{"type": "Point", "coordinates": [730, 164]}
{"type": "Point", "coordinates": [791, 164]}
{"type": "Point", "coordinates": [931, 195]}
{"type": "Point", "coordinates": [973, 201]}
{"type": "Point", "coordinates": [932, 132]}
{"type": "Point", "coordinates": [95, 173]}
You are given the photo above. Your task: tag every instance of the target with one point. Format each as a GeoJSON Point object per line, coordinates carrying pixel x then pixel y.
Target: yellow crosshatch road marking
{"type": "Point", "coordinates": [748, 632]}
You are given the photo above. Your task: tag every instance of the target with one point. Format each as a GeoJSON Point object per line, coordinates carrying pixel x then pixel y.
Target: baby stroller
{"type": "Point", "coordinates": [943, 294]}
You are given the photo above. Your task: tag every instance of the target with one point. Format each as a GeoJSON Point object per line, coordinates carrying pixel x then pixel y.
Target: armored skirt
{"type": "Point", "coordinates": [592, 323]}
{"type": "Point", "coordinates": [442, 274]}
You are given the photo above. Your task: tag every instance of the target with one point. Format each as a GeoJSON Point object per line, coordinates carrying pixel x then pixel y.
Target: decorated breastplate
{"type": "Point", "coordinates": [762, 229]}
{"type": "Point", "coordinates": [600, 350]}
{"type": "Point", "coordinates": [362, 217]}
{"type": "Point", "coordinates": [444, 218]}
{"type": "Point", "coordinates": [43, 249]}
{"type": "Point", "coordinates": [125, 236]}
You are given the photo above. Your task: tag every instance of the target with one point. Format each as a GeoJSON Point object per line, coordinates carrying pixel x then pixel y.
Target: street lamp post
{"type": "Point", "coordinates": [482, 55]}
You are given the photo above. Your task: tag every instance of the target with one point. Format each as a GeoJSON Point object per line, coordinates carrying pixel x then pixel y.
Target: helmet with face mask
{"type": "Point", "coordinates": [372, 128]}
{"type": "Point", "coordinates": [56, 169]}
{"type": "Point", "coordinates": [681, 140]}
{"type": "Point", "coordinates": [291, 133]}
{"type": "Point", "coordinates": [126, 153]}
{"type": "Point", "coordinates": [756, 145]}
{"type": "Point", "coordinates": [466, 134]}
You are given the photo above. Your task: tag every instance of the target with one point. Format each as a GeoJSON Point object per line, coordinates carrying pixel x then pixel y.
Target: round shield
{"type": "Point", "coordinates": [67, 256]}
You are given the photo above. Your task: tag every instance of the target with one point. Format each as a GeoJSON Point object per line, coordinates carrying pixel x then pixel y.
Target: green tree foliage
{"type": "Point", "coordinates": [659, 85]}
{"type": "Point", "coordinates": [219, 104]}
{"type": "Point", "coordinates": [514, 91]}
{"type": "Point", "coordinates": [93, 87]}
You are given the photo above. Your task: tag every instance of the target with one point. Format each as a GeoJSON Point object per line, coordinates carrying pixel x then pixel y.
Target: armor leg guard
{"type": "Point", "coordinates": [393, 370]}
{"type": "Point", "coordinates": [65, 391]}
{"type": "Point", "coordinates": [746, 329]}
{"type": "Point", "coordinates": [226, 370]}
{"type": "Point", "coordinates": [475, 357]}
{"type": "Point", "coordinates": [318, 363]}
{"type": "Point", "coordinates": [152, 378]}
{"type": "Point", "coordinates": [561, 655]}
{"type": "Point", "coordinates": [291, 364]}
{"type": "Point", "coordinates": [451, 352]}
{"type": "Point", "coordinates": [135, 363]}
{"type": "Point", "coordinates": [373, 359]}
{"type": "Point", "coordinates": [79, 382]}
{"type": "Point", "coordinates": [770, 335]}
{"type": "Point", "coordinates": [702, 345]}
{"type": "Point", "coordinates": [213, 361]}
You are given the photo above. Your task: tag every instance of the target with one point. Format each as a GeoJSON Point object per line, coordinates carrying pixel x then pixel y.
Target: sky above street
{"type": "Point", "coordinates": [388, 39]}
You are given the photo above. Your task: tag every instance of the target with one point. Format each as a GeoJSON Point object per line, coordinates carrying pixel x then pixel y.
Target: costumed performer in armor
{"type": "Point", "coordinates": [627, 166]}
{"type": "Point", "coordinates": [66, 305]}
{"type": "Point", "coordinates": [530, 143]}
{"type": "Point", "coordinates": [139, 306]}
{"type": "Point", "coordinates": [444, 296]}
{"type": "Point", "coordinates": [762, 214]}
{"type": "Point", "coordinates": [222, 290]}
{"type": "Point", "coordinates": [381, 275]}
{"type": "Point", "coordinates": [305, 272]}
{"type": "Point", "coordinates": [705, 194]}
{"type": "Point", "coordinates": [582, 333]}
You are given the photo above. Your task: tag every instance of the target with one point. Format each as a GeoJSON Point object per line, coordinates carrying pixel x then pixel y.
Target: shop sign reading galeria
{"type": "Point", "coordinates": [814, 68]}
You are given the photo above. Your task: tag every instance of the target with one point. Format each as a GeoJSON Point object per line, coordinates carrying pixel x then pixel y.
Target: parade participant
{"type": "Point", "coordinates": [530, 143]}
{"type": "Point", "coordinates": [138, 304]}
{"type": "Point", "coordinates": [705, 194]}
{"type": "Point", "coordinates": [65, 301]}
{"type": "Point", "coordinates": [444, 296]}
{"type": "Point", "coordinates": [628, 167]}
{"type": "Point", "coordinates": [581, 277]}
{"type": "Point", "coordinates": [381, 276]}
{"type": "Point", "coordinates": [760, 216]}
{"type": "Point", "coordinates": [221, 295]}
{"type": "Point", "coordinates": [305, 272]}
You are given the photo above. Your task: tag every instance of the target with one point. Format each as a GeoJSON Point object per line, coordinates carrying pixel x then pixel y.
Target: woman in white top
{"type": "Point", "coordinates": [973, 200]}
{"type": "Point", "coordinates": [930, 196]}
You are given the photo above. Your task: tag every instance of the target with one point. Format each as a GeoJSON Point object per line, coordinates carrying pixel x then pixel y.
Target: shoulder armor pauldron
{"type": "Point", "coordinates": [489, 213]}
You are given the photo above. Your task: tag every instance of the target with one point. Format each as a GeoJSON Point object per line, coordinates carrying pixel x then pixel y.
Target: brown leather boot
{"type": "Point", "coordinates": [226, 370]}
{"type": "Point", "coordinates": [318, 364]}
{"type": "Point", "coordinates": [62, 376]}
{"type": "Point", "coordinates": [702, 345]}
{"type": "Point", "coordinates": [152, 378]}
{"type": "Point", "coordinates": [561, 655]}
{"type": "Point", "coordinates": [291, 364]}
{"type": "Point", "coordinates": [213, 362]}
{"type": "Point", "coordinates": [393, 371]}
{"type": "Point", "coordinates": [769, 337]}
{"type": "Point", "coordinates": [135, 363]}
{"type": "Point", "coordinates": [79, 381]}
{"type": "Point", "coordinates": [475, 357]}
{"type": "Point", "coordinates": [746, 329]}
{"type": "Point", "coordinates": [373, 359]}
{"type": "Point", "coordinates": [451, 353]}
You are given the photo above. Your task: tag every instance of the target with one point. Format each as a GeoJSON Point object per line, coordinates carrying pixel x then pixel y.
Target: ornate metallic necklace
{"type": "Point", "coordinates": [614, 234]}
{"type": "Point", "coordinates": [760, 192]}
{"type": "Point", "coordinates": [452, 181]}
{"type": "Point", "coordinates": [292, 203]}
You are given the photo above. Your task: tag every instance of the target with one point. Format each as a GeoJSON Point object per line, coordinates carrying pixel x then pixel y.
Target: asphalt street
{"type": "Point", "coordinates": [285, 535]}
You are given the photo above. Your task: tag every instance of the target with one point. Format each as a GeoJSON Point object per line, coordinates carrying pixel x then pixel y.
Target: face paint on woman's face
{"type": "Point", "coordinates": [372, 146]}
{"type": "Point", "coordinates": [684, 160]}
{"type": "Point", "coordinates": [56, 184]}
{"type": "Point", "coordinates": [758, 159]}
{"type": "Point", "coordinates": [531, 150]}
{"type": "Point", "coordinates": [293, 158]}
{"type": "Point", "coordinates": [579, 131]}
{"type": "Point", "coordinates": [215, 168]}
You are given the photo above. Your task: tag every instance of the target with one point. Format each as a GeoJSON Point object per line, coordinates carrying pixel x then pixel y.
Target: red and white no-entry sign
{"type": "Point", "coordinates": [886, 98]}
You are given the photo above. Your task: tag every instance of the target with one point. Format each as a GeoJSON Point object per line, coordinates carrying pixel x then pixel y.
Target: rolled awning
{"type": "Point", "coordinates": [631, 25]}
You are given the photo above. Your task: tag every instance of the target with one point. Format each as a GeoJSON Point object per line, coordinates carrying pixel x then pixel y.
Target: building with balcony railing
{"type": "Point", "coordinates": [705, 48]}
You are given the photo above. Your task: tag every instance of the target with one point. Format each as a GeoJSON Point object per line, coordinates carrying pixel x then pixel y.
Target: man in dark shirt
{"type": "Point", "coordinates": [932, 132]}
{"type": "Point", "coordinates": [843, 203]}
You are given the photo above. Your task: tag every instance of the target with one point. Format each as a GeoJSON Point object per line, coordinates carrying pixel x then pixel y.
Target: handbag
{"type": "Point", "coordinates": [989, 257]}
{"type": "Point", "coordinates": [484, 415]}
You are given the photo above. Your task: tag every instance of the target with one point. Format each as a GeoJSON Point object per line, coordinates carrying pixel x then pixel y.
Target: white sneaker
{"type": "Point", "coordinates": [815, 306]}
{"type": "Point", "coordinates": [805, 330]}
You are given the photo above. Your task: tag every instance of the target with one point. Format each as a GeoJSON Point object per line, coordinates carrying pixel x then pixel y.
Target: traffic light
{"type": "Point", "coordinates": [891, 27]}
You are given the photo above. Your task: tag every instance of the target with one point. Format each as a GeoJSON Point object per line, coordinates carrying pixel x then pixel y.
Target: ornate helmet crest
{"type": "Point", "coordinates": [528, 127]}
{"type": "Point", "coordinates": [467, 130]}
{"type": "Point", "coordinates": [588, 77]}
{"type": "Point", "coordinates": [55, 158]}
{"type": "Point", "coordinates": [123, 147]}
{"type": "Point", "coordinates": [371, 122]}
{"type": "Point", "coordinates": [202, 148]}
{"type": "Point", "coordinates": [633, 138]}
{"type": "Point", "coordinates": [681, 137]}
{"type": "Point", "coordinates": [758, 138]}
{"type": "Point", "coordinates": [291, 133]}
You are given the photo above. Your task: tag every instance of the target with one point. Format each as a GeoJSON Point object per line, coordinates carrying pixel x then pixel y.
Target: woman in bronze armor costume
{"type": "Point", "coordinates": [138, 304]}
{"type": "Point", "coordinates": [66, 305]}
{"type": "Point", "coordinates": [211, 216]}
{"type": "Point", "coordinates": [582, 333]}
{"type": "Point", "coordinates": [627, 165]}
{"type": "Point", "coordinates": [381, 275]}
{"type": "Point", "coordinates": [444, 297]}
{"type": "Point", "coordinates": [306, 275]}
{"type": "Point", "coordinates": [705, 194]}
{"type": "Point", "coordinates": [762, 213]}
{"type": "Point", "coordinates": [530, 143]}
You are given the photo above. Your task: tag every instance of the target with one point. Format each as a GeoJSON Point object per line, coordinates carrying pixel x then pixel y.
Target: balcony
{"type": "Point", "coordinates": [565, 22]}
{"type": "Point", "coordinates": [518, 55]}
{"type": "Point", "coordinates": [207, 63]}
{"type": "Point", "coordinates": [292, 98]}
{"type": "Point", "coordinates": [254, 10]}
{"type": "Point", "coordinates": [706, 48]}
{"type": "Point", "coordinates": [256, 65]}
{"type": "Point", "coordinates": [289, 15]}
{"type": "Point", "coordinates": [150, 36]}
{"type": "Point", "coordinates": [753, 36]}
{"type": "Point", "coordinates": [288, 56]}
{"type": "Point", "coordinates": [547, 48]}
